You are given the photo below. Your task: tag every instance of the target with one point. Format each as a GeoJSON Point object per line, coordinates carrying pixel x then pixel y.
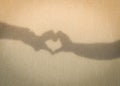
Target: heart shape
{"type": "Point", "coordinates": [53, 45]}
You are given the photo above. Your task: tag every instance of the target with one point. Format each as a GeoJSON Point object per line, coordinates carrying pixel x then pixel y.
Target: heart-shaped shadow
{"type": "Point", "coordinates": [99, 51]}
{"type": "Point", "coordinates": [53, 45]}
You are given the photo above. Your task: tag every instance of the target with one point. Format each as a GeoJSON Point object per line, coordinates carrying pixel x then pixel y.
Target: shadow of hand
{"type": "Point", "coordinates": [65, 40]}
{"type": "Point", "coordinates": [50, 35]}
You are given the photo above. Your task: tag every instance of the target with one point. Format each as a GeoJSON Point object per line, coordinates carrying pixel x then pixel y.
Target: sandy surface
{"type": "Point", "coordinates": [82, 20]}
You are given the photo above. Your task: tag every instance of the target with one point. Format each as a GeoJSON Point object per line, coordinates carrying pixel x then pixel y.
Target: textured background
{"type": "Point", "coordinates": [84, 21]}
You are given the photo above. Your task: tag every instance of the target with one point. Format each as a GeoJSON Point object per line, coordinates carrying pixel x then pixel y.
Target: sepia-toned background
{"type": "Point", "coordinates": [84, 21]}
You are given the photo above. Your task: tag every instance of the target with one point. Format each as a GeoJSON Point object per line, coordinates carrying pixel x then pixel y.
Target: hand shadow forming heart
{"type": "Point", "coordinates": [57, 42]}
{"type": "Point", "coordinates": [49, 41]}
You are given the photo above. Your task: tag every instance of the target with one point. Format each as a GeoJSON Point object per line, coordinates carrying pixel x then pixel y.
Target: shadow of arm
{"type": "Point", "coordinates": [98, 51]}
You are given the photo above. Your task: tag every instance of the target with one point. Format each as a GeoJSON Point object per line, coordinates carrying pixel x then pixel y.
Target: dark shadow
{"type": "Point", "coordinates": [25, 35]}
{"type": "Point", "coordinates": [98, 51]}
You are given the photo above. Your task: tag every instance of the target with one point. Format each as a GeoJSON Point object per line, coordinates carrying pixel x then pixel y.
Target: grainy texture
{"type": "Point", "coordinates": [83, 21]}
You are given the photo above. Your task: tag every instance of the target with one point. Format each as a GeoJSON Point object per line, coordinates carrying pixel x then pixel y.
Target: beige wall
{"type": "Point", "coordinates": [83, 20]}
